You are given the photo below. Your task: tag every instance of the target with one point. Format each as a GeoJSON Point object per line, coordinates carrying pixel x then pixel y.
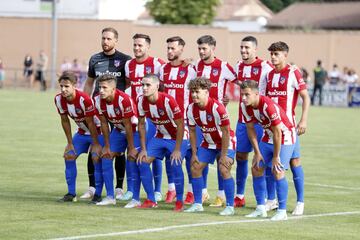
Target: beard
{"type": "Point", "coordinates": [108, 49]}
{"type": "Point", "coordinates": [173, 58]}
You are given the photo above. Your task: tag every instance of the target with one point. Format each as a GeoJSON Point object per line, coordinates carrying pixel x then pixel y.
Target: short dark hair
{"type": "Point", "coordinates": [176, 39]}
{"type": "Point", "coordinates": [206, 39]}
{"type": "Point", "coordinates": [252, 84]}
{"type": "Point", "coordinates": [319, 62]}
{"type": "Point", "coordinates": [199, 83]}
{"type": "Point", "coordinates": [68, 76]}
{"type": "Point", "coordinates": [250, 39]}
{"type": "Point", "coordinates": [279, 46]}
{"type": "Point", "coordinates": [144, 36]}
{"type": "Point", "coordinates": [107, 77]}
{"type": "Point", "coordinates": [111, 29]}
{"type": "Point", "coordinates": [153, 77]}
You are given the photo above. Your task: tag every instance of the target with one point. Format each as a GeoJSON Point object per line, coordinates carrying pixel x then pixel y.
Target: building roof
{"type": "Point", "coordinates": [230, 10]}
{"type": "Point", "coordinates": [335, 15]}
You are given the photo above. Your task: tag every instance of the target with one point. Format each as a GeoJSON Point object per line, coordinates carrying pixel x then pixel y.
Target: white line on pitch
{"type": "Point", "coordinates": [160, 229]}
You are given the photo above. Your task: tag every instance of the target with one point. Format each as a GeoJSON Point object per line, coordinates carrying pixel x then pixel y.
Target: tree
{"type": "Point", "coordinates": [198, 12]}
{"type": "Point", "coordinates": [278, 5]}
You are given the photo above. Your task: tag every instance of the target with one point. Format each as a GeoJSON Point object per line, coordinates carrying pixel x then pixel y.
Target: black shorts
{"type": "Point", "coordinates": [28, 72]}
{"type": "Point", "coordinates": [39, 76]}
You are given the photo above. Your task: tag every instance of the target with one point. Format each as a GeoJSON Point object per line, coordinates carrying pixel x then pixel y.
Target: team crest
{"type": "Point", "coordinates": [161, 112]}
{"type": "Point", "coordinates": [282, 80]}
{"type": "Point", "coordinates": [78, 110]}
{"type": "Point", "coordinates": [117, 111]}
{"type": "Point", "coordinates": [182, 74]}
{"type": "Point", "coordinates": [209, 118]}
{"type": "Point", "coordinates": [255, 70]}
{"type": "Point", "coordinates": [148, 69]}
{"type": "Point", "coordinates": [116, 63]}
{"type": "Point", "coordinates": [215, 71]}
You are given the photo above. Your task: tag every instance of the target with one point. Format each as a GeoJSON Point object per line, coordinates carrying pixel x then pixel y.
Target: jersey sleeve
{"type": "Point", "coordinates": [89, 110]}
{"type": "Point", "coordinates": [229, 72]}
{"type": "Point", "coordinates": [247, 116]}
{"type": "Point", "coordinates": [97, 105]}
{"type": "Point", "coordinates": [59, 106]}
{"type": "Point", "coordinates": [299, 81]}
{"type": "Point", "coordinates": [140, 105]}
{"type": "Point", "coordinates": [190, 115]}
{"type": "Point", "coordinates": [191, 72]}
{"type": "Point", "coordinates": [127, 71]}
{"type": "Point", "coordinates": [91, 70]}
{"type": "Point", "coordinates": [158, 64]}
{"type": "Point", "coordinates": [236, 70]}
{"type": "Point", "coordinates": [273, 114]}
{"type": "Point", "coordinates": [223, 116]}
{"type": "Point", "coordinates": [161, 73]}
{"type": "Point", "coordinates": [176, 111]}
{"type": "Point", "coordinates": [128, 108]}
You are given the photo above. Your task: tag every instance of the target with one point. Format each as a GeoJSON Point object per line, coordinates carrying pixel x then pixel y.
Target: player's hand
{"type": "Point", "coordinates": [187, 62]}
{"type": "Point", "coordinates": [132, 153]}
{"type": "Point", "coordinates": [69, 153]}
{"type": "Point", "coordinates": [301, 128]}
{"type": "Point", "coordinates": [276, 165]}
{"type": "Point", "coordinates": [225, 100]}
{"type": "Point", "coordinates": [106, 153]}
{"type": "Point", "coordinates": [96, 151]}
{"type": "Point", "coordinates": [256, 161]}
{"type": "Point", "coordinates": [226, 161]}
{"type": "Point", "coordinates": [142, 157]}
{"type": "Point", "coordinates": [175, 157]}
{"type": "Point", "coordinates": [194, 159]}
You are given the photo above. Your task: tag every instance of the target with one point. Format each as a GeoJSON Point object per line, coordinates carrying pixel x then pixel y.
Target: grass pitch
{"type": "Point", "coordinates": [32, 179]}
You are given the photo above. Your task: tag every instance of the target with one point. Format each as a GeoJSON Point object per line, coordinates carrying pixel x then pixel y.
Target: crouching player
{"type": "Point", "coordinates": [168, 118]}
{"type": "Point", "coordinates": [118, 108]}
{"type": "Point", "coordinates": [78, 106]}
{"type": "Point", "coordinates": [274, 150]}
{"type": "Point", "coordinates": [219, 140]}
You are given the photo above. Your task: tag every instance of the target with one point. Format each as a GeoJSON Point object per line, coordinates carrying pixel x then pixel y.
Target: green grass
{"type": "Point", "coordinates": [32, 178]}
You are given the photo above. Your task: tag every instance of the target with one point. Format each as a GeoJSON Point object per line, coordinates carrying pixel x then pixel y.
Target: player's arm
{"type": "Point", "coordinates": [89, 84]}
{"type": "Point", "coordinates": [302, 125]}
{"type": "Point", "coordinates": [277, 138]}
{"type": "Point", "coordinates": [106, 153]}
{"type": "Point", "coordinates": [142, 133]}
{"type": "Point", "coordinates": [176, 154]}
{"type": "Point", "coordinates": [69, 153]}
{"type": "Point", "coordinates": [127, 83]}
{"type": "Point", "coordinates": [250, 129]}
{"type": "Point", "coordinates": [95, 148]}
{"type": "Point", "coordinates": [132, 152]}
{"type": "Point", "coordinates": [225, 138]}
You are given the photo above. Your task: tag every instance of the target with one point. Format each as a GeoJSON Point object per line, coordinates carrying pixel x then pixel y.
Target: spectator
{"type": "Point", "coordinates": [65, 66]}
{"type": "Point", "coordinates": [2, 73]}
{"type": "Point", "coordinates": [352, 79]}
{"type": "Point", "coordinates": [41, 67]}
{"type": "Point", "coordinates": [334, 75]}
{"type": "Point", "coordinates": [320, 77]}
{"type": "Point", "coordinates": [28, 70]}
{"type": "Point", "coordinates": [77, 69]}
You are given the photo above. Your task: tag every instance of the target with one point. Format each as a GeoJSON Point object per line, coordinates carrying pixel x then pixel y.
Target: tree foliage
{"type": "Point", "coordinates": [199, 12]}
{"type": "Point", "coordinates": [278, 5]}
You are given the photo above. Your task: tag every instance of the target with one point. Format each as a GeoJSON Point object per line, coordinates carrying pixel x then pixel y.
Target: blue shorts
{"type": "Point", "coordinates": [150, 129]}
{"type": "Point", "coordinates": [206, 155]}
{"type": "Point", "coordinates": [199, 136]}
{"type": "Point", "coordinates": [118, 141]}
{"type": "Point", "coordinates": [267, 151]}
{"type": "Point", "coordinates": [82, 142]}
{"type": "Point", "coordinates": [296, 153]}
{"type": "Point", "coordinates": [243, 143]}
{"type": "Point", "coordinates": [159, 147]}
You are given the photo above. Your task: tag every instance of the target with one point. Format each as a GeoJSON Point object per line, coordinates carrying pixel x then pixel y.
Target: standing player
{"type": "Point", "coordinates": [116, 107]}
{"type": "Point", "coordinates": [219, 72]}
{"type": "Point", "coordinates": [284, 85]}
{"type": "Point", "coordinates": [219, 141]}
{"type": "Point", "coordinates": [274, 150]}
{"type": "Point", "coordinates": [251, 67]}
{"type": "Point", "coordinates": [135, 70]}
{"type": "Point", "coordinates": [166, 114]}
{"type": "Point", "coordinates": [175, 78]}
{"type": "Point", "coordinates": [109, 61]}
{"type": "Point", "coordinates": [78, 106]}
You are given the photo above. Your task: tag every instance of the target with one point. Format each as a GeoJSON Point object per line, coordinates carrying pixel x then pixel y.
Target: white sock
{"type": "Point", "coordinates": [190, 189]}
{"type": "Point", "coordinates": [171, 187]}
{"type": "Point", "coordinates": [204, 191]}
{"type": "Point", "coordinates": [221, 193]}
{"type": "Point", "coordinates": [241, 196]}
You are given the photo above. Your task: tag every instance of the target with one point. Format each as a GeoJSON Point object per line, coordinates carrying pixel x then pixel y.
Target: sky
{"type": "Point", "coordinates": [121, 9]}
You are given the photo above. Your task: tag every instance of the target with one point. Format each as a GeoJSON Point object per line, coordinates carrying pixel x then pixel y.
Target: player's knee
{"type": "Point", "coordinates": [195, 171]}
{"type": "Point", "coordinates": [225, 171]}
{"type": "Point", "coordinates": [279, 175]}
{"type": "Point", "coordinates": [242, 156]}
{"type": "Point", "coordinates": [257, 172]}
{"type": "Point", "coordinates": [295, 162]}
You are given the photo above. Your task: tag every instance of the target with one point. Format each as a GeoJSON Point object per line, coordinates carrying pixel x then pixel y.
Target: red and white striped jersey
{"type": "Point", "coordinates": [283, 87]}
{"type": "Point", "coordinates": [270, 114]}
{"type": "Point", "coordinates": [219, 72]}
{"type": "Point", "coordinates": [176, 80]}
{"type": "Point", "coordinates": [210, 120]}
{"type": "Point", "coordinates": [121, 107]}
{"type": "Point", "coordinates": [79, 108]}
{"type": "Point", "coordinates": [163, 114]}
{"type": "Point", "coordinates": [135, 71]}
{"type": "Point", "coordinates": [256, 71]}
